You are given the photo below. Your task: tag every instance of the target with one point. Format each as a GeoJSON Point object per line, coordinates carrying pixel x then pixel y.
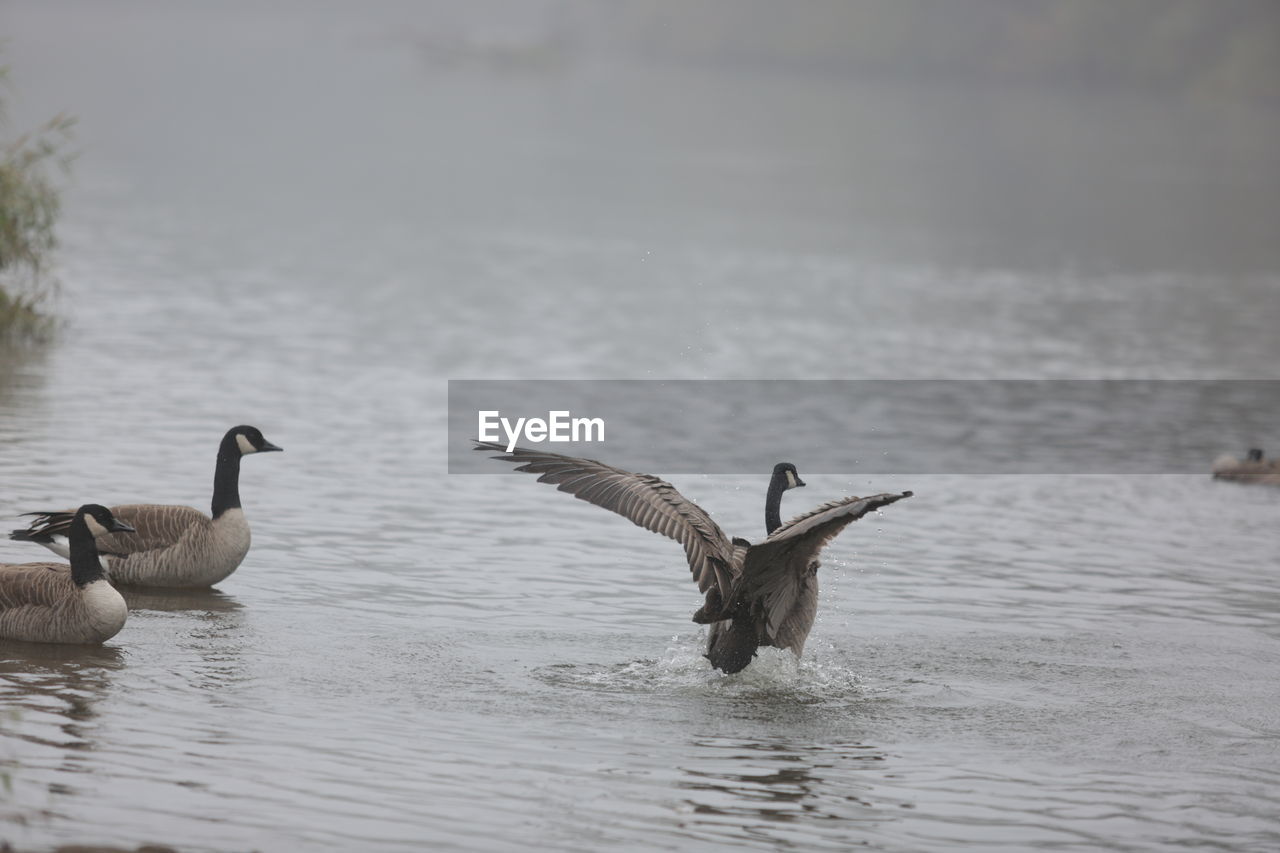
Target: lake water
{"type": "Point", "coordinates": [306, 220]}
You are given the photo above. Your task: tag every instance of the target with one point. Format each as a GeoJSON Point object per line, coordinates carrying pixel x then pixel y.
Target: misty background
{"type": "Point", "coordinates": [1064, 134]}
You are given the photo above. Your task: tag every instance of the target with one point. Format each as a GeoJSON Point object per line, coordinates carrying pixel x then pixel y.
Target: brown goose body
{"type": "Point", "coordinates": [171, 545]}
{"type": "Point", "coordinates": [763, 594]}
{"type": "Point", "coordinates": [40, 603]}
{"type": "Point", "coordinates": [61, 603]}
{"type": "Point", "coordinates": [1255, 469]}
{"type": "Point", "coordinates": [174, 546]}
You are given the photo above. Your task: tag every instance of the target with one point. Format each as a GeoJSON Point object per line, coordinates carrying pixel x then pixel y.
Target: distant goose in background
{"type": "Point", "coordinates": [173, 546]}
{"type": "Point", "coordinates": [756, 595]}
{"type": "Point", "coordinates": [57, 603]}
{"type": "Point", "coordinates": [1254, 469]}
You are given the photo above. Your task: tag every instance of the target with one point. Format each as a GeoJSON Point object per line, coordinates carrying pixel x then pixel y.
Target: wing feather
{"type": "Point", "coordinates": [47, 525]}
{"type": "Point", "coordinates": [646, 500]}
{"type": "Point", "coordinates": [829, 519]}
{"type": "Point", "coordinates": [156, 526]}
{"type": "Point", "coordinates": [780, 571]}
{"type": "Point", "coordinates": [32, 585]}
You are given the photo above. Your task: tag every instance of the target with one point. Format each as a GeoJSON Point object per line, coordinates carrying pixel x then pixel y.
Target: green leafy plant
{"type": "Point", "coordinates": [29, 207]}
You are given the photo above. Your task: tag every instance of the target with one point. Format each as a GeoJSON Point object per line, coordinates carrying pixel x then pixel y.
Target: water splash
{"type": "Point", "coordinates": [682, 668]}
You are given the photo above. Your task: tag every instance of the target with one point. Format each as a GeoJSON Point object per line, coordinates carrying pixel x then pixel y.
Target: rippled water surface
{"type": "Point", "coordinates": [314, 237]}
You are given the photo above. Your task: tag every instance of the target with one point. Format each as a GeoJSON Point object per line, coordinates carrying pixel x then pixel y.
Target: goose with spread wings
{"type": "Point", "coordinates": [763, 594]}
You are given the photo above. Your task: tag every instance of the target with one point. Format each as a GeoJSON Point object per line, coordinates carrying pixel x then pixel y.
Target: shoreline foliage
{"type": "Point", "coordinates": [30, 202]}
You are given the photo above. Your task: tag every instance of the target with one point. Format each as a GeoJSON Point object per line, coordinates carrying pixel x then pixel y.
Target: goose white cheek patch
{"type": "Point", "coordinates": [244, 445]}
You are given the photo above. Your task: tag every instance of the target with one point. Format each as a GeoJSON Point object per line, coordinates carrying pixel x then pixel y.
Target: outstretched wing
{"type": "Point", "coordinates": [775, 570]}
{"type": "Point", "coordinates": [817, 527]}
{"type": "Point", "coordinates": [646, 500]}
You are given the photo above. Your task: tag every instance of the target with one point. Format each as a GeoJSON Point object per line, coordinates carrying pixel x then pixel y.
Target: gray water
{"type": "Point", "coordinates": [307, 221]}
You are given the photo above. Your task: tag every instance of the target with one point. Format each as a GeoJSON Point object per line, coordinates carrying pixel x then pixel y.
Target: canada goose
{"type": "Point", "coordinates": [1254, 469]}
{"type": "Point", "coordinates": [756, 595]}
{"type": "Point", "coordinates": [174, 546]}
{"type": "Point", "coordinates": [57, 603]}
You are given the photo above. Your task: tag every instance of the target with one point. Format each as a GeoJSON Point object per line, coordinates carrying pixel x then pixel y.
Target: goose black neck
{"type": "Point", "coordinates": [773, 502]}
{"type": "Point", "coordinates": [226, 477]}
{"type": "Point", "coordinates": [85, 567]}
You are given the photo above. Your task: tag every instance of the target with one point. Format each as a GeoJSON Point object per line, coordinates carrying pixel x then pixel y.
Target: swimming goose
{"type": "Point", "coordinates": [57, 603]}
{"type": "Point", "coordinates": [173, 546]}
{"type": "Point", "coordinates": [756, 595]}
{"type": "Point", "coordinates": [1254, 469]}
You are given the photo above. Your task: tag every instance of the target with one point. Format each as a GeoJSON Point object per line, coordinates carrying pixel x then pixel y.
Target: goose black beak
{"type": "Point", "coordinates": [266, 445]}
{"type": "Point", "coordinates": [118, 526]}
{"type": "Point", "coordinates": [799, 482]}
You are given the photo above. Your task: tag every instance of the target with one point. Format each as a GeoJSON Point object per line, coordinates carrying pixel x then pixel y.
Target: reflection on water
{"type": "Point", "coordinates": [204, 628]}
{"type": "Point", "coordinates": [778, 781]}
{"type": "Point", "coordinates": [55, 658]}
{"type": "Point", "coordinates": [209, 601]}
{"type": "Point", "coordinates": [67, 680]}
{"type": "Point", "coordinates": [52, 697]}
{"type": "Point", "coordinates": [22, 372]}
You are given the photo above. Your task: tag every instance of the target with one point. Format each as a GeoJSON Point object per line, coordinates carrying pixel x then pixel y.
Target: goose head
{"type": "Point", "coordinates": [249, 439]}
{"type": "Point", "coordinates": [90, 522]}
{"type": "Point", "coordinates": [785, 475]}
{"type": "Point", "coordinates": [99, 521]}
